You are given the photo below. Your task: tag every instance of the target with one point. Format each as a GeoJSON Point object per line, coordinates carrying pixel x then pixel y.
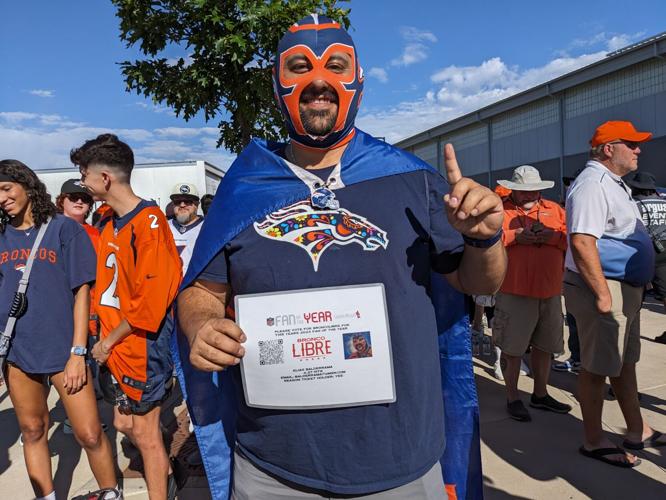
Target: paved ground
{"type": "Point", "coordinates": [540, 459]}
{"type": "Point", "coordinates": [535, 460]}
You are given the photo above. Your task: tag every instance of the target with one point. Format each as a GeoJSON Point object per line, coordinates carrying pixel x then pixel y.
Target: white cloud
{"type": "Point", "coordinates": [187, 60]}
{"type": "Point", "coordinates": [617, 42]}
{"type": "Point", "coordinates": [411, 54]}
{"type": "Point", "coordinates": [378, 73]}
{"type": "Point", "coordinates": [495, 77]}
{"type": "Point", "coordinates": [42, 93]}
{"type": "Point", "coordinates": [186, 131]}
{"type": "Point", "coordinates": [462, 89]}
{"type": "Point", "coordinates": [415, 49]}
{"type": "Point", "coordinates": [44, 141]}
{"type": "Point", "coordinates": [413, 34]}
{"type": "Point", "coordinates": [164, 149]}
{"type": "Point", "coordinates": [155, 108]}
{"type": "Point", "coordinates": [134, 134]}
{"type": "Point", "coordinates": [16, 116]}
{"type": "Point", "coordinates": [609, 41]}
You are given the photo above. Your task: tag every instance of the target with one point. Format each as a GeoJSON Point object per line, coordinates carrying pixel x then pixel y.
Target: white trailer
{"type": "Point", "coordinates": [149, 180]}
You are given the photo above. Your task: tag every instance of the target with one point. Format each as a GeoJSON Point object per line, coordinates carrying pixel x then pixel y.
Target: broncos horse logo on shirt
{"type": "Point", "coordinates": [316, 230]}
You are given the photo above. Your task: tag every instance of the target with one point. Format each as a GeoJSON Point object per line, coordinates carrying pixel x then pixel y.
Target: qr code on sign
{"type": "Point", "coordinates": [271, 352]}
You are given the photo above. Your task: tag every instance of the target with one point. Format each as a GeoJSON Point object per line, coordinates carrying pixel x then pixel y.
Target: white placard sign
{"type": "Point", "coordinates": [316, 348]}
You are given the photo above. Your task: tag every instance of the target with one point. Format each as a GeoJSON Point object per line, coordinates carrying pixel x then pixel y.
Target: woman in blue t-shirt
{"type": "Point", "coordinates": [49, 338]}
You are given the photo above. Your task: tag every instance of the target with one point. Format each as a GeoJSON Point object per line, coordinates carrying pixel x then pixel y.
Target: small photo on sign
{"type": "Point", "coordinates": [357, 345]}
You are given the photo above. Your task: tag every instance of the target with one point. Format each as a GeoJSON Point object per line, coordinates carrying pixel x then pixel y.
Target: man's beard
{"type": "Point", "coordinates": [318, 123]}
{"type": "Point", "coordinates": [183, 219]}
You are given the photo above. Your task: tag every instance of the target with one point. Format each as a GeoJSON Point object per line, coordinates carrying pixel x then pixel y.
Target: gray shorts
{"type": "Point", "coordinates": [251, 483]}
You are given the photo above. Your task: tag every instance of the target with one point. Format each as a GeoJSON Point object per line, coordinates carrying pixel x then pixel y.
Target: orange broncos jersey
{"type": "Point", "coordinates": [138, 274]}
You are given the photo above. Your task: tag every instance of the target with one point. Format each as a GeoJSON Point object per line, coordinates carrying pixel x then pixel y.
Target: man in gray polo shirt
{"type": "Point", "coordinates": [609, 260]}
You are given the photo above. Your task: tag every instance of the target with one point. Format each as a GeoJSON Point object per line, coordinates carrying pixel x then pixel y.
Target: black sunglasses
{"type": "Point", "coordinates": [186, 201]}
{"type": "Point", "coordinates": [629, 144]}
{"type": "Point", "coordinates": [85, 198]}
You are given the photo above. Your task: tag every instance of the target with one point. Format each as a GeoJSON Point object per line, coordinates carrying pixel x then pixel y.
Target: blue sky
{"type": "Point", "coordinates": [426, 62]}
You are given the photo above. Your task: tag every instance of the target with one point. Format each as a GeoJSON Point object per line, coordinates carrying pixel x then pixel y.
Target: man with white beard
{"type": "Point", "coordinates": [186, 224]}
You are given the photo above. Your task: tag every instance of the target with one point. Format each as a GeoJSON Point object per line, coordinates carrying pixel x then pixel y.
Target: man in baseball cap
{"type": "Point", "coordinates": [186, 224]}
{"type": "Point", "coordinates": [609, 260]}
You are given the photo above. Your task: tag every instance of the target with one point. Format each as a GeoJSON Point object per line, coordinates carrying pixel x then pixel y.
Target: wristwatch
{"type": "Point", "coordinates": [79, 350]}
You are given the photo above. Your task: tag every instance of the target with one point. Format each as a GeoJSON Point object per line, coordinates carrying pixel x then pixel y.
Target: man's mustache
{"type": "Point", "coordinates": [313, 94]}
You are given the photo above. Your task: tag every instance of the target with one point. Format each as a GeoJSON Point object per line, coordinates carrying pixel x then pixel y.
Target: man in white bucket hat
{"type": "Point", "coordinates": [528, 310]}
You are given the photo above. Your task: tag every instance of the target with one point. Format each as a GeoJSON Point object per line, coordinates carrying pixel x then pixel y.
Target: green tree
{"type": "Point", "coordinates": [229, 47]}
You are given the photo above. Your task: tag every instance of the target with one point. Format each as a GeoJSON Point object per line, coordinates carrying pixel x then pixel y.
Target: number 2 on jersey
{"type": "Point", "coordinates": [109, 297]}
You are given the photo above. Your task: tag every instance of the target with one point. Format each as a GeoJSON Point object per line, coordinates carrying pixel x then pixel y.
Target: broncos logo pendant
{"type": "Point", "coordinates": [316, 230]}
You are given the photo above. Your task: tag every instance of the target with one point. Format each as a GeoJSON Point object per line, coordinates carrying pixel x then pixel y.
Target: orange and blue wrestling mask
{"type": "Point", "coordinates": [318, 82]}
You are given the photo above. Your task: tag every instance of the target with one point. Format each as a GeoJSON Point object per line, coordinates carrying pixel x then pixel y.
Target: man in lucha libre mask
{"type": "Point", "coordinates": [334, 207]}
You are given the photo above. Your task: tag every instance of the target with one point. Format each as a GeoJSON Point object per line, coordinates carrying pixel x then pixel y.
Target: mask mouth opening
{"type": "Point", "coordinates": [314, 92]}
{"type": "Point", "coordinates": [318, 110]}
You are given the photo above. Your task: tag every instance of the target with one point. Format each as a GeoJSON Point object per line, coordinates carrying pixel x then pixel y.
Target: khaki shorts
{"type": "Point", "coordinates": [523, 321]}
{"type": "Point", "coordinates": [607, 341]}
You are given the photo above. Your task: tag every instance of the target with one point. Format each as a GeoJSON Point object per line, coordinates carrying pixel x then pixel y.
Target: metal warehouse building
{"type": "Point", "coordinates": [549, 126]}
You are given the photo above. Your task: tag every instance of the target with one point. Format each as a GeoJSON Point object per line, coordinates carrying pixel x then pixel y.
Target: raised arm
{"type": "Point", "coordinates": [477, 213]}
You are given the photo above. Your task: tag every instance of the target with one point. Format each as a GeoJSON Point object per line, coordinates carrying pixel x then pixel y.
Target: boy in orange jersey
{"type": "Point", "coordinates": [138, 273]}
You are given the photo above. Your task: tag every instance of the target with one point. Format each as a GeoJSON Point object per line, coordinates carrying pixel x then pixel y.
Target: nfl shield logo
{"type": "Point", "coordinates": [270, 321]}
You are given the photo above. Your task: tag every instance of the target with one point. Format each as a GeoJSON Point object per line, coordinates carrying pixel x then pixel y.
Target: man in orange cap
{"type": "Point", "coordinates": [609, 260]}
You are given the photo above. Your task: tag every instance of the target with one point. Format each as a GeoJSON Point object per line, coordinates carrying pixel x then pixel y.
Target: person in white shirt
{"type": "Point", "coordinates": [609, 260]}
{"type": "Point", "coordinates": [186, 223]}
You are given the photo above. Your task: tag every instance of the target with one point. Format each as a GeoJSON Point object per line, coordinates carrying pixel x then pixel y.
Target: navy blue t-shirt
{"type": "Point", "coordinates": [66, 260]}
{"type": "Point", "coordinates": [400, 234]}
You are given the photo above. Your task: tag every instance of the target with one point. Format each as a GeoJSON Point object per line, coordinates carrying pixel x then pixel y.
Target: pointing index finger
{"type": "Point", "coordinates": [453, 174]}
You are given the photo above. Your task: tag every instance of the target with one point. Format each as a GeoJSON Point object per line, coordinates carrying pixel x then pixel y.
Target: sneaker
{"type": "Point", "coordinates": [549, 403]}
{"type": "Point", "coordinates": [524, 369]}
{"type": "Point", "coordinates": [103, 494]}
{"type": "Point", "coordinates": [661, 338]}
{"type": "Point", "coordinates": [497, 371]}
{"type": "Point", "coordinates": [567, 366]}
{"type": "Point", "coordinates": [518, 411]}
